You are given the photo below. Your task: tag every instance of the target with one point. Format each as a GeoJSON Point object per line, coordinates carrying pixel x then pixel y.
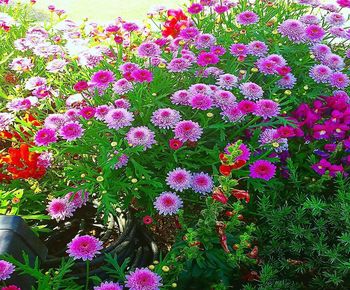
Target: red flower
{"type": "Point", "coordinates": [225, 170]}
{"type": "Point", "coordinates": [147, 220]}
{"type": "Point", "coordinates": [241, 194]}
{"type": "Point", "coordinates": [219, 196]}
{"type": "Point", "coordinates": [176, 21]}
{"type": "Point", "coordinates": [175, 144]}
{"type": "Point", "coordinates": [238, 164]}
{"type": "Point", "coordinates": [254, 253]}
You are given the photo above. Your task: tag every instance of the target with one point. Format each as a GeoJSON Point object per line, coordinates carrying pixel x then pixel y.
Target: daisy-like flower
{"type": "Point", "coordinates": [262, 169]}
{"type": "Point", "coordinates": [267, 109]}
{"type": "Point", "coordinates": [314, 32]}
{"type": "Point", "coordinates": [71, 131]}
{"type": "Point", "coordinates": [246, 106]}
{"type": "Point", "coordinates": [143, 279]}
{"type": "Point", "coordinates": [122, 161]}
{"type": "Point", "coordinates": [45, 136]}
{"type": "Point", "coordinates": [201, 102]}
{"type": "Point", "coordinates": [77, 199]}
{"type": "Point", "coordinates": [87, 112]}
{"type": "Point", "coordinates": [188, 131]}
{"type": "Point", "coordinates": [168, 203]}
{"type": "Point", "coordinates": [108, 286]}
{"type": "Point", "coordinates": [118, 118]}
{"type": "Point", "coordinates": [320, 51]}
{"type": "Point", "coordinates": [180, 97]}
{"type": "Point", "coordinates": [335, 19]}
{"type": "Point", "coordinates": [149, 49]}
{"type": "Point", "coordinates": [21, 65]}
{"type": "Point", "coordinates": [140, 136]}
{"type": "Point", "coordinates": [251, 91]}
{"type": "Point", "coordinates": [142, 75]}
{"type": "Point", "coordinates": [179, 179]}
{"type": "Point", "coordinates": [102, 78]}
{"type": "Point", "coordinates": [207, 58]}
{"type": "Point", "coordinates": [6, 119]}
{"type": "Point", "coordinates": [266, 66]}
{"type": "Point", "coordinates": [180, 64]}
{"type": "Point", "coordinates": [334, 61]}
{"type": "Point", "coordinates": [320, 73]}
{"type": "Point", "coordinates": [339, 80]}
{"type": "Point", "coordinates": [293, 29]}
{"type": "Point", "coordinates": [239, 49]}
{"type": "Point", "coordinates": [45, 159]}
{"type": "Point", "coordinates": [189, 33]}
{"type": "Point", "coordinates": [34, 82]}
{"type": "Point", "coordinates": [102, 111]}
{"type": "Point", "coordinates": [232, 113]}
{"type": "Point", "coordinates": [165, 118]}
{"type": "Point", "coordinates": [6, 269]}
{"type": "Point", "coordinates": [227, 81]}
{"type": "Point", "coordinates": [84, 247]}
{"type": "Point", "coordinates": [122, 86]}
{"type": "Point", "coordinates": [122, 103]}
{"type": "Point", "coordinates": [200, 89]}
{"type": "Point", "coordinates": [224, 99]}
{"type": "Point", "coordinates": [56, 65]}
{"type": "Point", "coordinates": [287, 82]}
{"type": "Point", "coordinates": [60, 209]}
{"type": "Point", "coordinates": [309, 19]}
{"type": "Point", "coordinates": [247, 18]}
{"type": "Point", "coordinates": [204, 40]}
{"type": "Point", "coordinates": [257, 48]}
{"type": "Point", "coordinates": [202, 183]}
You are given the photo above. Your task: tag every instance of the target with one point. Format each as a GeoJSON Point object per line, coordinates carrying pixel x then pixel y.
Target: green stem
{"type": "Point", "coordinates": [87, 274]}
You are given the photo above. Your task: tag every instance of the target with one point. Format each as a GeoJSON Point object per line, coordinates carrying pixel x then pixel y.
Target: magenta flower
{"type": "Point", "coordinates": [247, 18]}
{"type": "Point", "coordinates": [6, 269]}
{"type": "Point", "coordinates": [202, 183]}
{"type": "Point", "coordinates": [84, 247]}
{"type": "Point", "coordinates": [224, 99]}
{"type": "Point", "coordinates": [335, 19]}
{"type": "Point", "coordinates": [119, 118]}
{"type": "Point", "coordinates": [77, 199]}
{"type": "Point", "coordinates": [101, 112]}
{"type": "Point", "coordinates": [140, 136]}
{"type": "Point", "coordinates": [179, 179]}
{"type": "Point", "coordinates": [81, 86]}
{"type": "Point", "coordinates": [165, 118]}
{"type": "Point", "coordinates": [201, 102]}
{"type": "Point", "coordinates": [102, 78]}
{"type": "Point", "coordinates": [287, 82]}
{"type": "Point", "coordinates": [227, 81]}
{"type": "Point", "coordinates": [207, 58]}
{"type": "Point", "coordinates": [262, 169]}
{"type": "Point", "coordinates": [320, 73]}
{"type": "Point", "coordinates": [142, 75]}
{"type": "Point", "coordinates": [44, 137]}
{"type": "Point", "coordinates": [71, 131]}
{"type": "Point", "coordinates": [108, 286]}
{"type": "Point", "coordinates": [204, 40]}
{"type": "Point", "coordinates": [266, 66]}
{"type": "Point", "coordinates": [54, 121]}
{"type": "Point", "coordinates": [178, 65]}
{"type": "Point", "coordinates": [180, 97]}
{"type": "Point", "coordinates": [321, 166]}
{"type": "Point", "coordinates": [189, 33]}
{"type": "Point", "coordinates": [60, 209]}
{"type": "Point", "coordinates": [293, 29]}
{"type": "Point", "coordinates": [344, 3]}
{"type": "Point", "coordinates": [251, 91]}
{"type": "Point", "coordinates": [87, 112]}
{"type": "Point", "coordinates": [246, 106]}
{"type": "Point", "coordinates": [334, 61]}
{"type": "Point", "coordinates": [122, 103]}
{"type": "Point", "coordinates": [188, 131]}
{"type": "Point", "coordinates": [122, 86]}
{"type": "Point", "coordinates": [149, 49]}
{"type": "Point", "coordinates": [339, 80]}
{"type": "Point", "coordinates": [200, 89]}
{"type": "Point", "coordinates": [168, 203]}
{"type": "Point", "coordinates": [122, 161]}
{"type": "Point", "coordinates": [232, 113]}
{"type": "Point", "coordinates": [218, 50]}
{"type": "Point", "coordinates": [320, 51]}
{"type": "Point", "coordinates": [143, 279]}
{"type": "Point", "coordinates": [239, 49]}
{"type": "Point", "coordinates": [195, 8]}
{"type": "Point", "coordinates": [257, 48]}
{"type": "Point", "coordinates": [314, 32]}
{"type": "Point", "coordinates": [267, 109]}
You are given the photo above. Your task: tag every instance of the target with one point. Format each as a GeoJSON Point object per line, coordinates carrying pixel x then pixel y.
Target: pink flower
{"type": "Point", "coordinates": [188, 131]}
{"type": "Point", "coordinates": [207, 58]}
{"type": "Point", "coordinates": [6, 269]}
{"type": "Point", "coordinates": [195, 8]}
{"type": "Point", "coordinates": [45, 136]}
{"type": "Point", "coordinates": [175, 144]}
{"type": "Point", "coordinates": [142, 75]}
{"type": "Point", "coordinates": [247, 18]}
{"type": "Point", "coordinates": [147, 220]}
{"type": "Point", "coordinates": [262, 169]}
{"type": "Point", "coordinates": [71, 131]}
{"type": "Point", "coordinates": [84, 247]}
{"type": "Point", "coordinates": [102, 78]}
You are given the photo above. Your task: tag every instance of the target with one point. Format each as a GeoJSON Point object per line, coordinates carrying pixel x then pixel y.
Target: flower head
{"type": "Point", "coordinates": [202, 183]}
{"type": "Point", "coordinates": [102, 78]}
{"type": "Point", "coordinates": [108, 286]}
{"type": "Point", "coordinates": [165, 118]}
{"type": "Point", "coordinates": [267, 109]}
{"type": "Point", "coordinates": [44, 137]}
{"type": "Point", "coordinates": [84, 247]}
{"type": "Point", "coordinates": [247, 18]}
{"type": "Point", "coordinates": [251, 91]}
{"type": "Point", "coordinates": [201, 102]}
{"type": "Point", "coordinates": [119, 118]}
{"type": "Point", "coordinates": [149, 49]}
{"type": "Point", "coordinates": [262, 169]}
{"type": "Point", "coordinates": [71, 131]}
{"type": "Point", "coordinates": [168, 203]}
{"type": "Point", "coordinates": [188, 131]}
{"type": "Point", "coordinates": [293, 29]}
{"type": "Point", "coordinates": [141, 136]}
{"type": "Point", "coordinates": [179, 179]}
{"type": "Point", "coordinates": [143, 279]}
{"type": "Point", "coordinates": [6, 269]}
{"type": "Point", "coordinates": [142, 75]}
{"type": "Point", "coordinates": [60, 209]}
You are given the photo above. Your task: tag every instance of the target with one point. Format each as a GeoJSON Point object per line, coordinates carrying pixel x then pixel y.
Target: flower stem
{"type": "Point", "coordinates": [87, 274]}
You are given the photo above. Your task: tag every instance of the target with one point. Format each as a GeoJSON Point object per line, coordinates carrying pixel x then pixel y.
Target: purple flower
{"type": "Point", "coordinates": [45, 136]}
{"type": "Point", "coordinates": [71, 131]}
{"type": "Point", "coordinates": [77, 199]}
{"type": "Point", "coordinates": [179, 179]}
{"type": "Point", "coordinates": [180, 97]}
{"type": "Point", "coordinates": [207, 58]}
{"type": "Point", "coordinates": [334, 61]}
{"type": "Point", "coordinates": [165, 118]}
{"type": "Point", "coordinates": [309, 19]}
{"type": "Point", "coordinates": [320, 73]}
{"type": "Point", "coordinates": [178, 65]}
{"type": "Point", "coordinates": [202, 183]}
{"type": "Point", "coordinates": [102, 78]}
{"type": "Point", "coordinates": [142, 75]}
{"type": "Point", "coordinates": [314, 32]}
{"type": "Point", "coordinates": [189, 33]}
{"type": "Point", "coordinates": [34, 82]}
{"type": "Point", "coordinates": [109, 286]}
{"type": "Point", "coordinates": [119, 118]}
{"type": "Point", "coordinates": [201, 102]}
{"type": "Point", "coordinates": [60, 209]}
{"type": "Point", "coordinates": [54, 121]}
{"type": "Point", "coordinates": [224, 99]}
{"type": "Point", "coordinates": [320, 51]}
{"type": "Point", "coordinates": [195, 8]}
{"type": "Point", "coordinates": [143, 279]}
{"type": "Point", "coordinates": [262, 169]}
{"type": "Point", "coordinates": [140, 136]}
{"type": "Point", "coordinates": [6, 119]}
{"type": "Point", "coordinates": [239, 49]}
{"type": "Point", "coordinates": [6, 269]}
{"type": "Point", "coordinates": [287, 82]}
{"type": "Point", "coordinates": [128, 67]}
{"type": "Point", "coordinates": [204, 40]}
{"type": "Point", "coordinates": [257, 48]}
{"type": "Point", "coordinates": [227, 81]}
{"type": "Point", "coordinates": [122, 86]}
{"type": "Point", "coordinates": [102, 111]}
{"type": "Point", "coordinates": [218, 50]}
{"type": "Point", "coordinates": [335, 19]}
{"type": "Point", "coordinates": [267, 109]}
{"type": "Point", "coordinates": [232, 113]}
{"type": "Point", "coordinates": [149, 49]}
{"type": "Point", "coordinates": [266, 66]}
{"type": "Point", "coordinates": [247, 18]}
{"type": "Point", "coordinates": [168, 203]}
{"type": "Point", "coordinates": [45, 159]}
{"type": "Point", "coordinates": [321, 166]}
{"type": "Point", "coordinates": [246, 106]}
{"type": "Point", "coordinates": [339, 80]}
{"type": "Point", "coordinates": [200, 89]}
{"type": "Point", "coordinates": [84, 247]}
{"type": "Point", "coordinates": [122, 161]}
{"type": "Point", "coordinates": [122, 103]}
{"type": "Point", "coordinates": [293, 29]}
{"type": "Point", "coordinates": [251, 91]}
{"type": "Point", "coordinates": [188, 131]}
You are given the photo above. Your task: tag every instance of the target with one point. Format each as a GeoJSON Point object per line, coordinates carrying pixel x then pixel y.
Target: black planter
{"type": "Point", "coordinates": [134, 243]}
{"type": "Point", "coordinates": [15, 238]}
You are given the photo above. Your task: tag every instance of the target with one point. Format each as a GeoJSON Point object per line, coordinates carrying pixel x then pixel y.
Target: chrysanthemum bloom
{"type": "Point", "coordinates": [175, 144]}
{"type": "Point", "coordinates": [339, 32]}
{"type": "Point", "coordinates": [266, 67]}
{"type": "Point", "coordinates": [71, 131]}
{"type": "Point", "coordinates": [168, 203]}
{"type": "Point", "coordinates": [195, 8]}
{"type": "Point", "coordinates": [334, 61]}
{"type": "Point", "coordinates": [257, 48]}
{"type": "Point", "coordinates": [239, 49]}
{"type": "Point", "coordinates": [141, 136]}
{"type": "Point", "coordinates": [233, 114]}
{"type": "Point", "coordinates": [204, 40]}
{"type": "Point", "coordinates": [178, 65]}
{"type": "Point", "coordinates": [180, 97]}
{"type": "Point", "coordinates": [251, 91]}
{"type": "Point", "coordinates": [34, 82]}
{"type": "Point", "coordinates": [142, 75]}
{"type": "Point", "coordinates": [122, 161]}
{"type": "Point", "coordinates": [246, 106]}
{"type": "Point", "coordinates": [189, 33]}
{"type": "Point", "coordinates": [72, 114]}
{"type": "Point", "coordinates": [218, 50]}
{"type": "Point", "coordinates": [188, 131]}
{"type": "Point", "coordinates": [165, 118]}
{"type": "Point", "coordinates": [309, 19]}
{"type": "Point", "coordinates": [149, 49]}
{"type": "Point", "coordinates": [202, 183]}
{"type": "Point", "coordinates": [247, 17]}
{"type": "Point", "coordinates": [87, 112]}
{"type": "Point", "coordinates": [128, 67]}
{"type": "Point", "coordinates": [267, 109]}
{"type": "Point", "coordinates": [21, 65]}
{"type": "Point", "coordinates": [45, 136]}
{"type": "Point", "coordinates": [272, 138]}
{"type": "Point", "coordinates": [314, 32]}
{"type": "Point", "coordinates": [122, 103]}
{"type": "Point", "coordinates": [320, 73]}
{"type": "Point", "coordinates": [320, 51]}
{"type": "Point", "coordinates": [200, 89]}
{"type": "Point", "coordinates": [77, 199]}
{"type": "Point", "coordinates": [60, 209]}
{"type": "Point", "coordinates": [293, 29]}
{"type": "Point", "coordinates": [227, 81]}
{"type": "Point", "coordinates": [335, 19]}
{"type": "Point", "coordinates": [11, 287]}
{"type": "Point", "coordinates": [277, 59]}
{"type": "Point", "coordinates": [81, 86]}
{"type": "Point", "coordinates": [6, 120]}
{"type": "Point", "coordinates": [6, 269]}
{"type": "Point", "coordinates": [287, 82]}
{"type": "Point", "coordinates": [339, 80]}
{"type": "Point", "coordinates": [102, 78]}
{"type": "Point", "coordinates": [108, 286]}
{"type": "Point", "coordinates": [179, 179]}
{"type": "Point", "coordinates": [119, 118]}
{"type": "Point", "coordinates": [122, 86]}
{"type": "Point", "coordinates": [207, 58]}
{"type": "Point", "coordinates": [201, 102]}
{"type": "Point", "coordinates": [344, 3]}
{"type": "Point", "coordinates": [143, 279]}
{"type": "Point", "coordinates": [84, 247]}
{"type": "Point", "coordinates": [224, 99]}
{"type": "Point", "coordinates": [56, 65]}
{"type": "Point", "coordinates": [262, 169]}
{"type": "Point", "coordinates": [102, 111]}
